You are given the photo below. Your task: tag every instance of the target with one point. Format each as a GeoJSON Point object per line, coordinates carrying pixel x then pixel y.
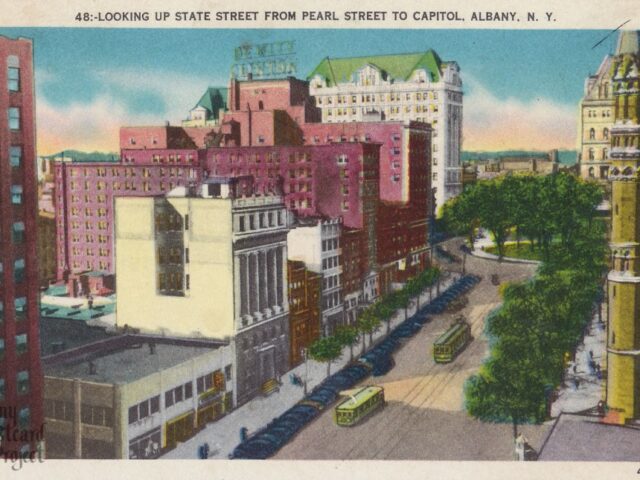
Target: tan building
{"type": "Point", "coordinates": [594, 124]}
{"type": "Point", "coordinates": [46, 247]}
{"type": "Point", "coordinates": [623, 342]}
{"type": "Point", "coordinates": [133, 396]}
{"type": "Point", "coordinates": [209, 263]}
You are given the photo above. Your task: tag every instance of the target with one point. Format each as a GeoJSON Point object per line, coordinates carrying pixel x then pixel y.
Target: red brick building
{"type": "Point", "coordinates": [305, 288]}
{"type": "Point", "coordinates": [20, 370]}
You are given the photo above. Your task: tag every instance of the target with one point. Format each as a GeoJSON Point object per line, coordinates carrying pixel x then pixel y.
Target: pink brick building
{"type": "Point", "coordinates": [270, 133]}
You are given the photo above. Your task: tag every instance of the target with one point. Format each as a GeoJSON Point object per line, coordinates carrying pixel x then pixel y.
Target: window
{"type": "Point", "coordinates": [1, 396]}
{"type": "Point", "coordinates": [168, 398]}
{"type": "Point", "coordinates": [188, 390]}
{"type": "Point", "coordinates": [18, 271]}
{"type": "Point", "coordinates": [21, 343]}
{"type": "Point", "coordinates": [23, 382]}
{"type": "Point", "coordinates": [155, 404]}
{"type": "Point", "coordinates": [133, 414]}
{"type": "Point", "coordinates": [1, 348]}
{"type": "Point", "coordinates": [15, 155]}
{"type": "Point", "coordinates": [17, 232]}
{"type": "Point", "coordinates": [14, 118]}
{"type": "Point", "coordinates": [16, 194]}
{"type": "Point", "coordinates": [24, 418]}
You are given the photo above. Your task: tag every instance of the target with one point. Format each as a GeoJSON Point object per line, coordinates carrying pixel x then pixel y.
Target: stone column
{"type": "Point", "coordinates": [264, 280]}
{"type": "Point", "coordinates": [273, 265]}
{"type": "Point", "coordinates": [255, 291]}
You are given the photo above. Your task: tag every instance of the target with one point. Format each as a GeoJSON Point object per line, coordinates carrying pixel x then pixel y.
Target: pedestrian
{"type": "Point", "coordinates": [591, 353]}
{"type": "Point", "coordinates": [597, 368]}
{"type": "Point", "coordinates": [575, 368]}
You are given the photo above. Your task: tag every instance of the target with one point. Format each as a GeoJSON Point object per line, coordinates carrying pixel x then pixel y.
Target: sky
{"type": "Point", "coordinates": [521, 87]}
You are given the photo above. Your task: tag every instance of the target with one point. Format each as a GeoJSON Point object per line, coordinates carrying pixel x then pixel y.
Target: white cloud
{"type": "Point", "coordinates": [494, 123]}
{"type": "Point", "coordinates": [95, 125]}
{"type": "Point", "coordinates": [83, 126]}
{"type": "Point", "coordinates": [179, 92]}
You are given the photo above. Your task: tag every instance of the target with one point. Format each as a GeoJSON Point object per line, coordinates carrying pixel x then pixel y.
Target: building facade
{"type": "Point", "coordinates": [305, 290]}
{"type": "Point", "coordinates": [623, 342]}
{"type": "Point", "coordinates": [209, 263]}
{"type": "Point", "coordinates": [596, 118]}
{"type": "Point", "coordinates": [401, 87]}
{"type": "Point", "coordinates": [20, 368]}
{"type": "Point", "coordinates": [134, 396]}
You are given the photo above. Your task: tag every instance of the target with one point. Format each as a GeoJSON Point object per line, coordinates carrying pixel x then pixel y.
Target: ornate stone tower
{"type": "Point", "coordinates": [623, 382]}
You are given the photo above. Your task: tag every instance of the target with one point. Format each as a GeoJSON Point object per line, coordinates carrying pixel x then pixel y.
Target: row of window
{"type": "Point", "coordinates": [331, 281]}
{"type": "Point", "coordinates": [253, 221]}
{"type": "Point", "coordinates": [130, 172]}
{"type": "Point", "coordinates": [331, 262]}
{"type": "Point", "coordinates": [18, 275]}
{"type": "Point", "coordinates": [127, 185]}
{"type": "Point", "coordinates": [210, 381]}
{"type": "Point", "coordinates": [330, 244]}
{"type": "Point", "coordinates": [21, 345]}
{"type": "Point", "coordinates": [22, 384]}
{"type": "Point", "coordinates": [89, 414]}
{"type": "Point", "coordinates": [367, 98]}
{"type": "Point", "coordinates": [605, 134]}
{"type": "Point", "coordinates": [331, 300]}
{"type": "Point", "coordinates": [594, 113]}
{"type": "Point", "coordinates": [102, 252]}
{"type": "Point", "coordinates": [24, 418]}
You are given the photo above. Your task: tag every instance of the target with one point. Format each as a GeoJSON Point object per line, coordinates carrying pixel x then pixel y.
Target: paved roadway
{"type": "Point", "coordinates": [424, 418]}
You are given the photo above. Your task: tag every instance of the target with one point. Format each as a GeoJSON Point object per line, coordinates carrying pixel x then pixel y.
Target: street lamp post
{"type": "Point", "coordinates": [306, 370]}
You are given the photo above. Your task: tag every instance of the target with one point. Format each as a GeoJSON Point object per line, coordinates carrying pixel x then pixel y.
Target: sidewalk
{"type": "Point", "coordinates": [582, 389]}
{"type": "Point", "coordinates": [224, 435]}
{"type": "Point", "coordinates": [485, 241]}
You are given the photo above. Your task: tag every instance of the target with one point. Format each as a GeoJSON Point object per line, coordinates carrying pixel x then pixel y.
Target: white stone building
{"type": "Point", "coordinates": [416, 86]}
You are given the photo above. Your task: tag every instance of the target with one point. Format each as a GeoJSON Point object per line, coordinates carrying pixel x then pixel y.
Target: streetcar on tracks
{"type": "Point", "coordinates": [359, 405]}
{"type": "Point", "coordinates": [452, 342]}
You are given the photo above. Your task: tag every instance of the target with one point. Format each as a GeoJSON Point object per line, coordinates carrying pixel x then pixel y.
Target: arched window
{"type": "Point", "coordinates": [592, 154]}
{"type": "Point", "coordinates": [605, 134]}
{"type": "Point", "coordinates": [591, 171]}
{"type": "Point", "coordinates": [260, 105]}
{"type": "Point", "coordinates": [605, 153]}
{"type": "Point", "coordinates": [592, 134]}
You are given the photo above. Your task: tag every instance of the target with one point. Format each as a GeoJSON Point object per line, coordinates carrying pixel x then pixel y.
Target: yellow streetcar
{"type": "Point", "coordinates": [362, 403]}
{"type": "Point", "coordinates": [452, 342]}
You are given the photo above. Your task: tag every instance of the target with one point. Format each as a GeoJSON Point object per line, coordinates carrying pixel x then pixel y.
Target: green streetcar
{"type": "Point", "coordinates": [452, 342]}
{"type": "Point", "coordinates": [359, 405]}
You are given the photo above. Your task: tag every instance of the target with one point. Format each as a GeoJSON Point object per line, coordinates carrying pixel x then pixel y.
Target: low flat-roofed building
{"type": "Point", "coordinates": [132, 396]}
{"type": "Point", "coordinates": [586, 438]}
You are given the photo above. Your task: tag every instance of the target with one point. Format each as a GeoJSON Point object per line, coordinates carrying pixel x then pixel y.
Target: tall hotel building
{"type": "Point", "coordinates": [20, 370]}
{"type": "Point", "coordinates": [417, 86]}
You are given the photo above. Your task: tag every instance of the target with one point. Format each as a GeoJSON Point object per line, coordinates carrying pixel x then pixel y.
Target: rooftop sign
{"type": "Point", "coordinates": [265, 60]}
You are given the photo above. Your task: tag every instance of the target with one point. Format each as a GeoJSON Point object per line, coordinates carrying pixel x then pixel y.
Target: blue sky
{"type": "Point", "coordinates": [91, 81]}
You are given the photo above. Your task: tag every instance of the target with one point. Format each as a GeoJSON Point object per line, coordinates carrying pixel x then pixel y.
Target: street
{"type": "Point", "coordinates": [424, 418]}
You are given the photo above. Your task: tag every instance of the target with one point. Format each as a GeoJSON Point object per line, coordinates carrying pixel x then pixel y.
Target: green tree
{"type": "Point", "coordinates": [348, 336]}
{"type": "Point", "coordinates": [367, 323]}
{"type": "Point", "coordinates": [326, 350]}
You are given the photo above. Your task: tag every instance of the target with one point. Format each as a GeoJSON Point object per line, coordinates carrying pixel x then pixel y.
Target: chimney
{"type": "Point", "coordinates": [92, 368]}
{"type": "Point", "coordinates": [167, 123]}
{"type": "Point", "coordinates": [152, 348]}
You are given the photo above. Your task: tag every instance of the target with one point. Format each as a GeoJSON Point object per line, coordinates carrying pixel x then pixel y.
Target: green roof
{"type": "Point", "coordinates": [399, 67]}
{"type": "Point", "coordinates": [360, 397]}
{"type": "Point", "coordinates": [446, 336]}
{"type": "Point", "coordinates": [213, 99]}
